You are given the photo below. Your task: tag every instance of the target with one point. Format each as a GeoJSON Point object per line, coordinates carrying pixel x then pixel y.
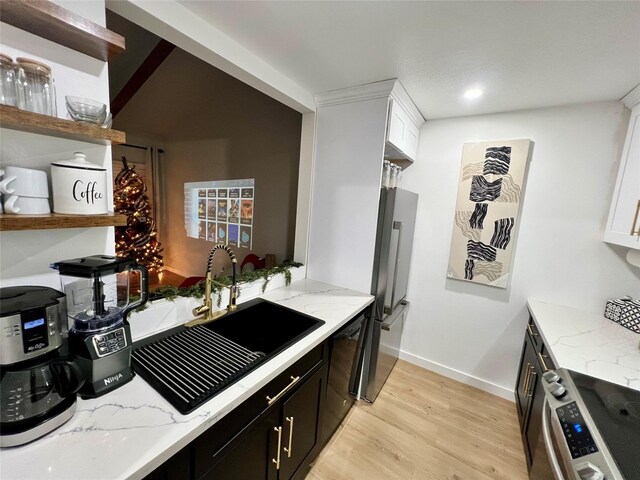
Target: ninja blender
{"type": "Point", "coordinates": [97, 291]}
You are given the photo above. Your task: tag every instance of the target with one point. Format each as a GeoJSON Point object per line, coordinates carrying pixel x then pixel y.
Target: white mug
{"type": "Point", "coordinates": [24, 182]}
{"type": "Point", "coordinates": [26, 205]}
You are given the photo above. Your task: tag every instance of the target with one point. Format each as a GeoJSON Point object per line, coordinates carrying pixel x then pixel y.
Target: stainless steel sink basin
{"type": "Point", "coordinates": [188, 366]}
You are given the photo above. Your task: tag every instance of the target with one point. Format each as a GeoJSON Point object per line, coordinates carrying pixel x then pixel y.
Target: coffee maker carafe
{"type": "Point", "coordinates": [97, 290]}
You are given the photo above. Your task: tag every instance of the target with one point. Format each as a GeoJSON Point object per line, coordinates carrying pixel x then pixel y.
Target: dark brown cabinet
{"type": "Point", "coordinates": [280, 444]}
{"type": "Point", "coordinates": [534, 362]}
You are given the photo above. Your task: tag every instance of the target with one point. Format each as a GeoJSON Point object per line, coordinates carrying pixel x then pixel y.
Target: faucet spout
{"type": "Point", "coordinates": [206, 309]}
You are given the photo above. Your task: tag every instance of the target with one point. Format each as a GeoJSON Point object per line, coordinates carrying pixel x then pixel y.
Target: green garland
{"type": "Point", "coordinates": [170, 292]}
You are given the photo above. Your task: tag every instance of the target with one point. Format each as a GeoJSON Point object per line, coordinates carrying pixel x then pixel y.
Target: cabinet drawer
{"type": "Point", "coordinates": [251, 410]}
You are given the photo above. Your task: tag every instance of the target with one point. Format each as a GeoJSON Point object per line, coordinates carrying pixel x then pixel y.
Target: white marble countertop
{"type": "Point", "coordinates": [589, 343]}
{"type": "Point", "coordinates": [129, 432]}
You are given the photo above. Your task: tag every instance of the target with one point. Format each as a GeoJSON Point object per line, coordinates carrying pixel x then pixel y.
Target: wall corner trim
{"type": "Point", "coordinates": [632, 98]}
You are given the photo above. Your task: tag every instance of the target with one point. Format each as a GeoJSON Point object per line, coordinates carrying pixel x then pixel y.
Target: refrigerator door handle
{"type": "Point", "coordinates": [389, 308]}
{"type": "Point", "coordinates": [388, 325]}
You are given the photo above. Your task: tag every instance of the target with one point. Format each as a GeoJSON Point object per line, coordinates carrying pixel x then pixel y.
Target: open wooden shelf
{"type": "Point", "coordinates": [24, 121]}
{"type": "Point", "coordinates": [9, 222]}
{"type": "Point", "coordinates": [51, 21]}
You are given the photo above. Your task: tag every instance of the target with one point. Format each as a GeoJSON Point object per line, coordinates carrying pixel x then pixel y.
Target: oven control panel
{"type": "Point", "coordinates": [576, 433]}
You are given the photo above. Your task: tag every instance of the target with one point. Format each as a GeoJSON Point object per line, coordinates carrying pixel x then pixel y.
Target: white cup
{"type": "Point", "coordinates": [24, 182]}
{"type": "Point", "coordinates": [26, 205]}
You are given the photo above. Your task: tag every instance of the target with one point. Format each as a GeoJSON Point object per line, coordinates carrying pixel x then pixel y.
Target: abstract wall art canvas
{"type": "Point", "coordinates": [490, 190]}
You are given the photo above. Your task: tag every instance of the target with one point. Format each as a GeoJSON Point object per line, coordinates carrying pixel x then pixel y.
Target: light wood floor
{"type": "Point", "coordinates": [425, 426]}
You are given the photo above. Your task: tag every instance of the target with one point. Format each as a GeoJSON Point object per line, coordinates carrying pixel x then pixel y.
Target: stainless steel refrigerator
{"type": "Point", "coordinates": [379, 343]}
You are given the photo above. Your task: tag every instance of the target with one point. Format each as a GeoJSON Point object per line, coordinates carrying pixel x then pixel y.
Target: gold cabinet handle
{"type": "Point", "coordinates": [294, 380]}
{"type": "Point", "coordinates": [542, 362]}
{"type": "Point", "coordinates": [533, 375]}
{"type": "Point", "coordinates": [288, 450]}
{"type": "Point", "coordinates": [277, 459]}
{"type": "Point", "coordinates": [525, 384]}
{"type": "Point", "coordinates": [530, 330]}
{"type": "Point", "coordinates": [635, 221]}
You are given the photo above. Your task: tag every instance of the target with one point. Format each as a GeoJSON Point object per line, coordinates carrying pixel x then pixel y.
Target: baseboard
{"type": "Point", "coordinates": [459, 376]}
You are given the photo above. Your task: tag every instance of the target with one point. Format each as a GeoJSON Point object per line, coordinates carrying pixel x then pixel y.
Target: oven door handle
{"type": "Point", "coordinates": [548, 441]}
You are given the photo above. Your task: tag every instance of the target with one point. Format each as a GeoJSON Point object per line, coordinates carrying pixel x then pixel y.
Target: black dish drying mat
{"type": "Point", "coordinates": [189, 367]}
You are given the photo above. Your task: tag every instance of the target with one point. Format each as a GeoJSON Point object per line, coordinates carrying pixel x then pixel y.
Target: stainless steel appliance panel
{"type": "Point", "coordinates": [380, 343]}
{"type": "Point", "coordinates": [385, 350]}
{"type": "Point", "coordinates": [32, 322]}
{"type": "Point", "coordinates": [400, 247]}
{"type": "Point", "coordinates": [573, 445]}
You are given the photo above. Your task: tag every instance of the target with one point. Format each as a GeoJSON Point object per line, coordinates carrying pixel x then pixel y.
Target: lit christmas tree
{"type": "Point", "coordinates": [138, 239]}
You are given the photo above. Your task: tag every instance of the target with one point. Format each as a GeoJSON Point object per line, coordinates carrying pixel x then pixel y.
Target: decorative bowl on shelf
{"type": "Point", "coordinates": [85, 110]}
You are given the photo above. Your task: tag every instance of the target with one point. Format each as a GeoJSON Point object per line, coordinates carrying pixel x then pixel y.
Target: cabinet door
{"type": "Point", "coordinates": [623, 227]}
{"type": "Point", "coordinates": [401, 131]}
{"type": "Point", "coordinates": [301, 423]}
{"type": "Point", "coordinates": [524, 383]}
{"type": "Point", "coordinates": [253, 456]}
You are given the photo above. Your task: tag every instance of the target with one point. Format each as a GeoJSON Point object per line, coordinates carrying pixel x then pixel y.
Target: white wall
{"type": "Point", "coordinates": [474, 332]}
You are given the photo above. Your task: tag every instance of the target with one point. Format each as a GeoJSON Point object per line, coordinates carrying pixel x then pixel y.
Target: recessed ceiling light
{"type": "Point", "coordinates": [473, 93]}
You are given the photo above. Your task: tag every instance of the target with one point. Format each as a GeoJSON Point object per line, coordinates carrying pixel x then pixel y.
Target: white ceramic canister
{"type": "Point", "coordinates": [79, 187]}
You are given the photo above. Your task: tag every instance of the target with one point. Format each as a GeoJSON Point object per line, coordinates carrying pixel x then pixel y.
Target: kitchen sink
{"type": "Point", "coordinates": [188, 366]}
{"type": "Point", "coordinates": [262, 326]}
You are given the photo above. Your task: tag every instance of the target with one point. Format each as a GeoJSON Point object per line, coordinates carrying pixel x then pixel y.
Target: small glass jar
{"type": "Point", "coordinates": [37, 86]}
{"type": "Point", "coordinates": [393, 178]}
{"type": "Point", "coordinates": [386, 174]}
{"type": "Point", "coordinates": [398, 176]}
{"type": "Point", "coordinates": [8, 92]}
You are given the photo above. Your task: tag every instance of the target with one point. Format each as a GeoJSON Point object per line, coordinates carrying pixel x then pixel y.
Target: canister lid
{"type": "Point", "coordinates": [93, 266]}
{"type": "Point", "coordinates": [5, 58]}
{"type": "Point", "coordinates": [34, 66]}
{"type": "Point", "coordinates": [80, 161]}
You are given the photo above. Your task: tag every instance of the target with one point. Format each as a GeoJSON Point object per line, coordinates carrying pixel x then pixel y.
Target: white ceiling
{"type": "Point", "coordinates": [524, 54]}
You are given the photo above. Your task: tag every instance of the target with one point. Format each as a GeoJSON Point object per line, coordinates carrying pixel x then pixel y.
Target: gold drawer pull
{"type": "Point", "coordinates": [294, 380]}
{"type": "Point", "coordinates": [544, 365]}
{"type": "Point", "coordinates": [277, 459]}
{"type": "Point", "coordinates": [533, 375]}
{"type": "Point", "coordinates": [635, 221]}
{"type": "Point", "coordinates": [288, 450]}
{"type": "Point", "coordinates": [525, 384]}
{"type": "Point", "coordinates": [530, 330]}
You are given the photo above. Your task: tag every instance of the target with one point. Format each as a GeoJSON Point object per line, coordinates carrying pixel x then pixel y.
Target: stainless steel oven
{"type": "Point", "coordinates": [590, 430]}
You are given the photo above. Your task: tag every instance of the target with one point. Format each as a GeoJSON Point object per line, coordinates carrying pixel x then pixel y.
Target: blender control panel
{"type": "Point", "coordinates": [111, 342]}
{"type": "Point", "coordinates": [576, 433]}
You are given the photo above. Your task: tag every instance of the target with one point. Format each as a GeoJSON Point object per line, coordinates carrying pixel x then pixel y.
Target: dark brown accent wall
{"type": "Point", "coordinates": [214, 127]}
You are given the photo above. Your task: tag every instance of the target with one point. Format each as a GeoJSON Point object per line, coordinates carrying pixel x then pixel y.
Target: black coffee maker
{"type": "Point", "coordinates": [38, 383]}
{"type": "Point", "coordinates": [97, 290]}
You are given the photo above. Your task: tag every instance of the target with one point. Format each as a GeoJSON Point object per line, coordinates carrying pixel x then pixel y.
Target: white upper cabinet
{"type": "Point", "coordinates": [402, 133]}
{"type": "Point", "coordinates": [623, 226]}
